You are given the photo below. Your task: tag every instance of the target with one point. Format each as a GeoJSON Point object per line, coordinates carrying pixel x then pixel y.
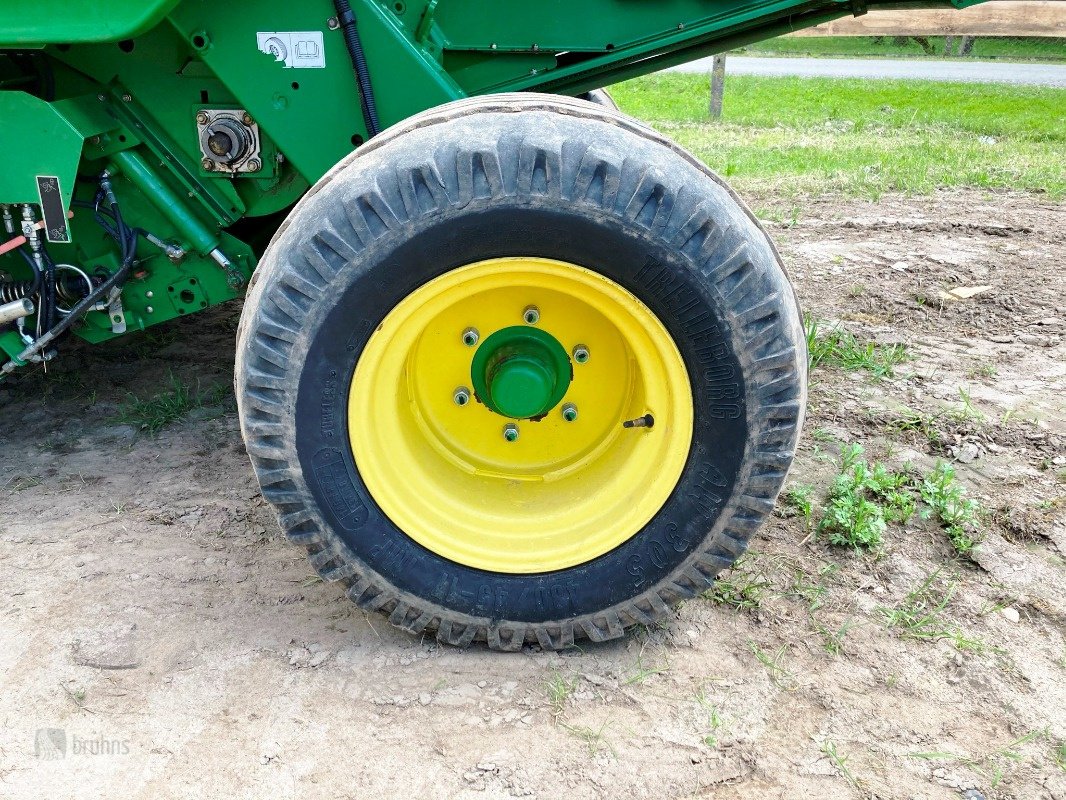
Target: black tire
{"type": "Point", "coordinates": [558, 178]}
{"type": "Point", "coordinates": [600, 97]}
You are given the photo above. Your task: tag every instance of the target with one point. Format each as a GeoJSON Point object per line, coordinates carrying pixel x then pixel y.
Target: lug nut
{"type": "Point", "coordinates": [461, 396]}
{"type": "Point", "coordinates": [254, 165]}
{"type": "Point", "coordinates": [510, 432]}
{"type": "Point", "coordinates": [202, 117]}
{"type": "Point", "coordinates": [569, 412]}
{"type": "Point", "coordinates": [470, 337]}
{"type": "Point", "coordinates": [246, 118]}
{"type": "Point", "coordinates": [531, 315]}
{"type": "Point", "coordinates": [581, 354]}
{"type": "Point", "coordinates": [208, 165]}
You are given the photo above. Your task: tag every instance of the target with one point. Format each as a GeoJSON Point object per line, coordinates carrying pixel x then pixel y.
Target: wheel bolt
{"type": "Point", "coordinates": [531, 315]}
{"type": "Point", "coordinates": [510, 432]}
{"type": "Point", "coordinates": [470, 337]}
{"type": "Point", "coordinates": [569, 412]}
{"type": "Point", "coordinates": [581, 354]}
{"type": "Point", "coordinates": [461, 396]}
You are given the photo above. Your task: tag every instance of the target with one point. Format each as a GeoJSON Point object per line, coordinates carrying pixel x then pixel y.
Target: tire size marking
{"type": "Point", "coordinates": [556, 598]}
{"type": "Point", "coordinates": [490, 599]}
{"type": "Point", "coordinates": [669, 538]}
{"type": "Point", "coordinates": [328, 405]}
{"type": "Point", "coordinates": [448, 593]}
{"type": "Point", "coordinates": [395, 557]}
{"type": "Point", "coordinates": [722, 389]}
{"type": "Point", "coordinates": [341, 496]}
{"type": "Point", "coordinates": [704, 492]}
{"type": "Point", "coordinates": [696, 323]}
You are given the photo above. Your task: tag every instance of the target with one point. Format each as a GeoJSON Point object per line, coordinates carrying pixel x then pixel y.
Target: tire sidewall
{"type": "Point", "coordinates": [718, 501]}
{"type": "Point", "coordinates": [477, 232]}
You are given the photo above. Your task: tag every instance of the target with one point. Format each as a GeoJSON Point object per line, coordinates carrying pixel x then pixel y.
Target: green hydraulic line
{"type": "Point", "coordinates": [134, 167]}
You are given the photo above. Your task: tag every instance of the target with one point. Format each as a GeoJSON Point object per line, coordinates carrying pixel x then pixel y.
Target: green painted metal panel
{"type": "Point", "coordinates": [313, 114]}
{"type": "Point", "coordinates": [592, 25]}
{"type": "Point", "coordinates": [47, 140]}
{"type": "Point", "coordinates": [42, 22]}
{"type": "Point", "coordinates": [119, 84]}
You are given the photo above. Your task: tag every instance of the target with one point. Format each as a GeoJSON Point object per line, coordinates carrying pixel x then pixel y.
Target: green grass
{"type": "Point", "coordinates": [908, 420]}
{"type": "Point", "coordinates": [990, 47]}
{"type": "Point", "coordinates": [593, 739]}
{"type": "Point", "coordinates": [839, 348]}
{"type": "Point", "coordinates": [173, 404]}
{"type": "Point", "coordinates": [921, 615]}
{"type": "Point", "coordinates": [779, 675]}
{"type": "Point", "coordinates": [641, 671]}
{"type": "Point", "coordinates": [559, 688]}
{"type": "Point", "coordinates": [861, 502]}
{"type": "Point", "coordinates": [839, 761]}
{"type": "Point", "coordinates": [832, 641]}
{"type": "Point", "coordinates": [864, 498]}
{"type": "Point", "coordinates": [947, 501]}
{"type": "Point", "coordinates": [801, 498]}
{"type": "Point", "coordinates": [152, 414]}
{"type": "Point", "coordinates": [716, 722]}
{"type": "Point", "coordinates": [995, 765]}
{"type": "Point", "coordinates": [742, 588]}
{"type": "Point", "coordinates": [792, 136]}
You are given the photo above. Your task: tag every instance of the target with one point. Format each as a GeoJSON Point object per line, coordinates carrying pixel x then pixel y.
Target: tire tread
{"type": "Point", "coordinates": [274, 327]}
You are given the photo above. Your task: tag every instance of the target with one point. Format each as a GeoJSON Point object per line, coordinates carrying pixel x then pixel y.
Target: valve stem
{"type": "Point", "coordinates": [646, 421]}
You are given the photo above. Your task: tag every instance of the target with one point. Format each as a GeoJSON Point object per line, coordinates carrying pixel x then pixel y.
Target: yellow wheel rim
{"type": "Point", "coordinates": [565, 491]}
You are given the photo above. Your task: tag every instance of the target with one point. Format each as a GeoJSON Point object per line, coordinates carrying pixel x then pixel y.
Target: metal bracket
{"type": "Point", "coordinates": [222, 209]}
{"type": "Point", "coordinates": [115, 312]}
{"type": "Point", "coordinates": [187, 296]}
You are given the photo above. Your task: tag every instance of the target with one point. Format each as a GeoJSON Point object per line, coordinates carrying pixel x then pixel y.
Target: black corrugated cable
{"type": "Point", "coordinates": [346, 18]}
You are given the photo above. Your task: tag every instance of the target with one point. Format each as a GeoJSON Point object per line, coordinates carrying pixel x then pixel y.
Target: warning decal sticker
{"type": "Point", "coordinates": [298, 49]}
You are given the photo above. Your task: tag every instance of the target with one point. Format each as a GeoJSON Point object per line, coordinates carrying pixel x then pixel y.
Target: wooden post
{"type": "Point", "coordinates": [997, 18]}
{"type": "Point", "coordinates": [717, 85]}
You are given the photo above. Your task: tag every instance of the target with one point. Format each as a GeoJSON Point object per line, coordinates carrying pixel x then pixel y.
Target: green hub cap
{"type": "Point", "coordinates": [520, 372]}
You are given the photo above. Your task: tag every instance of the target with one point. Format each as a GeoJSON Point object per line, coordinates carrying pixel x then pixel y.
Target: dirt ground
{"type": "Point", "coordinates": [152, 613]}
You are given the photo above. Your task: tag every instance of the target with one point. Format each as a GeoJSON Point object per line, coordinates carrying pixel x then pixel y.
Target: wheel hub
{"type": "Point", "coordinates": [520, 372]}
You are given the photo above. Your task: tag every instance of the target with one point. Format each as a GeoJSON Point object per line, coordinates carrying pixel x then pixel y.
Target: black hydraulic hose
{"type": "Point", "coordinates": [102, 215]}
{"type": "Point", "coordinates": [48, 293]}
{"type": "Point", "coordinates": [38, 278]}
{"type": "Point", "coordinates": [75, 314]}
{"type": "Point", "coordinates": [127, 240]}
{"type": "Point", "coordinates": [15, 290]}
{"type": "Point", "coordinates": [346, 18]}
